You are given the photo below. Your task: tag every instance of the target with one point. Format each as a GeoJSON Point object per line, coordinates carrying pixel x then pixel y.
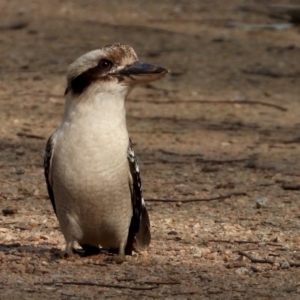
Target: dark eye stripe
{"type": "Point", "coordinates": [82, 81]}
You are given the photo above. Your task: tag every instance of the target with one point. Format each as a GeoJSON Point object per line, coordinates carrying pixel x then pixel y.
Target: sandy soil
{"type": "Point", "coordinates": [222, 130]}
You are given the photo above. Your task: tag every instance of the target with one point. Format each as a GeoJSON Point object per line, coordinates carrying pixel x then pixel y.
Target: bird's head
{"type": "Point", "coordinates": [112, 68]}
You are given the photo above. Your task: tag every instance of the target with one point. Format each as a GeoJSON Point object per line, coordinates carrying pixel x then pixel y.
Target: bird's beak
{"type": "Point", "coordinates": [140, 72]}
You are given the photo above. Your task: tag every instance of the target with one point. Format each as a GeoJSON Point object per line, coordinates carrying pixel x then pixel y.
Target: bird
{"type": "Point", "coordinates": [91, 170]}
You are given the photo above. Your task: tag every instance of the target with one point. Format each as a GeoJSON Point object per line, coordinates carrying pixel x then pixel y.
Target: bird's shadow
{"type": "Point", "coordinates": [50, 253]}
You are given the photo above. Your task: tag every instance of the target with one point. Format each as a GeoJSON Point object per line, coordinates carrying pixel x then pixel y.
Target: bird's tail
{"type": "Point", "coordinates": [143, 236]}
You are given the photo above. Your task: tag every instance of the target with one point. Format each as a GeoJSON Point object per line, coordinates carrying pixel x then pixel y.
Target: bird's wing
{"type": "Point", "coordinates": [139, 231]}
{"type": "Point", "coordinates": [47, 166]}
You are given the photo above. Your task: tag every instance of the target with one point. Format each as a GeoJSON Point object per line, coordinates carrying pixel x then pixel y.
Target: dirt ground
{"type": "Point", "coordinates": [222, 129]}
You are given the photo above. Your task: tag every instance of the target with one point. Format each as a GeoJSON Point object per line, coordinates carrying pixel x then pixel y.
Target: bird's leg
{"type": "Point", "coordinates": [120, 257]}
{"type": "Point", "coordinates": [130, 244]}
{"type": "Point", "coordinates": [69, 251]}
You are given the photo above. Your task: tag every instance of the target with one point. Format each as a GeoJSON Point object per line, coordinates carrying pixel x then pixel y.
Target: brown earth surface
{"type": "Point", "coordinates": [224, 124]}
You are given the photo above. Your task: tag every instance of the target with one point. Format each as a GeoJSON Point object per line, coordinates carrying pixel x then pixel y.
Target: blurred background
{"type": "Point", "coordinates": [224, 122]}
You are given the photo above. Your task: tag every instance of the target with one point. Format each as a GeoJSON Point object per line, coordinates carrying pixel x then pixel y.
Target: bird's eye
{"type": "Point", "coordinates": [105, 64]}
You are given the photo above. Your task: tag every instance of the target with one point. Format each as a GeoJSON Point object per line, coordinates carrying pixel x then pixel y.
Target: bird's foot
{"type": "Point", "coordinates": [69, 251]}
{"type": "Point", "coordinates": [118, 259]}
{"type": "Point", "coordinates": [90, 250]}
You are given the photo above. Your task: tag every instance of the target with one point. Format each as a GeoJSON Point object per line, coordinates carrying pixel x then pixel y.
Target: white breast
{"type": "Point", "coordinates": [90, 174]}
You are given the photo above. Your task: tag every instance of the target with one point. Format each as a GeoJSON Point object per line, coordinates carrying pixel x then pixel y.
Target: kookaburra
{"type": "Point", "coordinates": [91, 170]}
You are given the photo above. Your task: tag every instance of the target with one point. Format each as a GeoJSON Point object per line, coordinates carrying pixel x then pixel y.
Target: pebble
{"type": "Point", "coordinates": [195, 251]}
{"type": "Point", "coordinates": [212, 256]}
{"type": "Point", "coordinates": [20, 171]}
{"type": "Point", "coordinates": [226, 258]}
{"type": "Point", "coordinates": [276, 266]}
{"type": "Point", "coordinates": [242, 271]}
{"type": "Point", "coordinates": [285, 265]}
{"type": "Point", "coordinates": [9, 211]}
{"type": "Point", "coordinates": [296, 240]}
{"type": "Point", "coordinates": [296, 256]}
{"type": "Point", "coordinates": [168, 221]}
{"type": "Point", "coordinates": [33, 223]}
{"type": "Point", "coordinates": [261, 202]}
{"type": "Point", "coordinates": [205, 251]}
{"type": "Point", "coordinates": [172, 232]}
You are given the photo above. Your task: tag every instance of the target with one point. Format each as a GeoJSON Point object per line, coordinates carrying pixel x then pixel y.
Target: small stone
{"type": "Point", "coordinates": [285, 265]}
{"type": "Point", "coordinates": [276, 240]}
{"type": "Point", "coordinates": [168, 221]}
{"type": "Point", "coordinates": [208, 169]}
{"type": "Point", "coordinates": [196, 226]}
{"type": "Point", "coordinates": [20, 152]}
{"type": "Point", "coordinates": [296, 256]}
{"type": "Point", "coordinates": [172, 232]}
{"type": "Point", "coordinates": [212, 256]}
{"type": "Point", "coordinates": [290, 289]}
{"type": "Point", "coordinates": [29, 269]}
{"type": "Point", "coordinates": [226, 258]}
{"type": "Point", "coordinates": [196, 251]}
{"type": "Point", "coordinates": [242, 271]}
{"type": "Point", "coordinates": [20, 171]}
{"type": "Point", "coordinates": [33, 223]}
{"type": "Point", "coordinates": [261, 202]}
{"type": "Point", "coordinates": [296, 240]}
{"type": "Point", "coordinates": [227, 252]}
{"type": "Point", "coordinates": [34, 238]}
{"type": "Point", "coordinates": [9, 211]}
{"type": "Point", "coordinates": [205, 251]}
{"type": "Point", "coordinates": [3, 230]}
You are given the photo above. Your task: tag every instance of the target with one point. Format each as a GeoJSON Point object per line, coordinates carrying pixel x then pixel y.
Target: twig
{"type": "Point", "coordinates": [270, 73]}
{"type": "Point", "coordinates": [22, 227]}
{"type": "Point", "coordinates": [266, 260]}
{"type": "Point", "coordinates": [221, 161]}
{"type": "Point", "coordinates": [178, 154]}
{"type": "Point", "coordinates": [163, 161]}
{"type": "Point", "coordinates": [9, 211]}
{"type": "Point", "coordinates": [250, 249]}
{"type": "Point", "coordinates": [245, 242]}
{"type": "Point", "coordinates": [204, 160]}
{"type": "Point", "coordinates": [159, 282]}
{"type": "Point", "coordinates": [185, 293]}
{"type": "Point", "coordinates": [243, 102]}
{"type": "Point", "coordinates": [149, 282]}
{"type": "Point", "coordinates": [8, 223]}
{"type": "Point", "coordinates": [290, 186]}
{"type": "Point", "coordinates": [21, 165]}
{"type": "Point", "coordinates": [34, 94]}
{"type": "Point", "coordinates": [246, 102]}
{"type": "Point", "coordinates": [257, 260]}
{"type": "Point", "coordinates": [30, 136]}
{"type": "Point", "coordinates": [88, 283]}
{"type": "Point", "coordinates": [13, 245]}
{"type": "Point", "coordinates": [198, 199]}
